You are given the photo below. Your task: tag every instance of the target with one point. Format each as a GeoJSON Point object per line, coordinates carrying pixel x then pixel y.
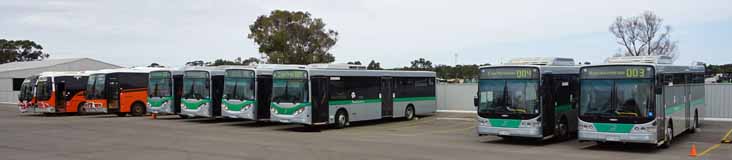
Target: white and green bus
{"type": "Point", "coordinates": [165, 88]}
{"type": "Point", "coordinates": [642, 99]}
{"type": "Point", "coordinates": [528, 97]}
{"type": "Point", "coordinates": [202, 91]}
{"type": "Point", "coordinates": [326, 94]}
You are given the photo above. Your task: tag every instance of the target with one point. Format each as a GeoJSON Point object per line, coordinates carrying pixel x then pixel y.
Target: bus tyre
{"type": "Point", "coordinates": [669, 137]}
{"type": "Point", "coordinates": [563, 130]}
{"type": "Point", "coordinates": [409, 112]}
{"type": "Point", "coordinates": [341, 120]}
{"type": "Point", "coordinates": [696, 123]}
{"type": "Point", "coordinates": [80, 109]}
{"type": "Point", "coordinates": [137, 110]}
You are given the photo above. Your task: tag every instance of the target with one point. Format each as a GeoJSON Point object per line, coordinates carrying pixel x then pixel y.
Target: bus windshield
{"type": "Point", "coordinates": [239, 85]}
{"type": "Point", "coordinates": [159, 84]}
{"type": "Point", "coordinates": [513, 97]}
{"type": "Point", "coordinates": [196, 85]}
{"type": "Point", "coordinates": [25, 91]}
{"type": "Point", "coordinates": [44, 88]}
{"type": "Point", "coordinates": [616, 98]}
{"type": "Point", "coordinates": [289, 86]}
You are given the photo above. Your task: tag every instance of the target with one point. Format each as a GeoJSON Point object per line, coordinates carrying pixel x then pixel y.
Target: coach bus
{"type": "Point", "coordinates": [202, 92]}
{"type": "Point", "coordinates": [165, 88]}
{"type": "Point", "coordinates": [325, 94]}
{"type": "Point", "coordinates": [528, 97]}
{"type": "Point", "coordinates": [60, 92]}
{"type": "Point", "coordinates": [27, 96]}
{"type": "Point", "coordinates": [642, 99]}
{"type": "Point", "coordinates": [120, 91]}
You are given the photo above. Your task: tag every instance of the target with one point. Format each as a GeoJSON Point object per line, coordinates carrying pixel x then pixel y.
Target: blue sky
{"type": "Point", "coordinates": [137, 32]}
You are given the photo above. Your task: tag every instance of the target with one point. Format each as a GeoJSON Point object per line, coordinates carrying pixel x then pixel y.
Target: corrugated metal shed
{"type": "Point", "coordinates": [19, 70]}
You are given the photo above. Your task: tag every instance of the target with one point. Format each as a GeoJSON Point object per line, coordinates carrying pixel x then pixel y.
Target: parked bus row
{"type": "Point", "coordinates": [642, 99]}
{"type": "Point", "coordinates": [630, 99]}
{"type": "Point", "coordinates": [313, 95]}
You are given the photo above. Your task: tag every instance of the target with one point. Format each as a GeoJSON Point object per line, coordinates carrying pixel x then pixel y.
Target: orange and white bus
{"type": "Point", "coordinates": [60, 92]}
{"type": "Point", "coordinates": [27, 96]}
{"type": "Point", "coordinates": [120, 91]}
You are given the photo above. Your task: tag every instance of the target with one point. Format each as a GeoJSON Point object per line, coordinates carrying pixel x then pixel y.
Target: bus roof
{"type": "Point", "coordinates": [542, 61]}
{"type": "Point", "coordinates": [125, 70]}
{"type": "Point", "coordinates": [173, 71]}
{"type": "Point", "coordinates": [660, 68]}
{"type": "Point", "coordinates": [367, 73]}
{"type": "Point", "coordinates": [213, 71]}
{"type": "Point", "coordinates": [544, 69]}
{"type": "Point", "coordinates": [59, 74]}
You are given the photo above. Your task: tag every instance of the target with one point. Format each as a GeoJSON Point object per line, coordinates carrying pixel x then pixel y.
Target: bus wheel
{"type": "Point", "coordinates": [137, 110]}
{"type": "Point", "coordinates": [669, 137]}
{"type": "Point", "coordinates": [409, 112]}
{"type": "Point", "coordinates": [696, 123]}
{"type": "Point", "coordinates": [563, 129]}
{"type": "Point", "coordinates": [341, 120]}
{"type": "Point", "coordinates": [80, 109]}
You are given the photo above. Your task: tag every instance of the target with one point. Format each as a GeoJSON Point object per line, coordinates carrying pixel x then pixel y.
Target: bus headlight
{"type": "Point", "coordinates": [273, 110]}
{"type": "Point", "coordinates": [299, 111]}
{"type": "Point", "coordinates": [529, 124]}
{"type": "Point", "coordinates": [247, 107]}
{"type": "Point", "coordinates": [643, 129]}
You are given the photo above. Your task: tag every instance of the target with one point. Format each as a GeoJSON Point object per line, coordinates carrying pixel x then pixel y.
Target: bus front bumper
{"type": "Point", "coordinates": [165, 108]}
{"type": "Point", "coordinates": [26, 107]}
{"type": "Point", "coordinates": [649, 138]}
{"type": "Point", "coordinates": [201, 111]}
{"type": "Point", "coordinates": [243, 114]}
{"type": "Point", "coordinates": [515, 132]}
{"type": "Point", "coordinates": [302, 118]}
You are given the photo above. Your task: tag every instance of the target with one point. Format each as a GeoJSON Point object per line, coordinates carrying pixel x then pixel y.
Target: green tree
{"type": "Point", "coordinates": [293, 37]}
{"type": "Point", "coordinates": [196, 63]}
{"type": "Point", "coordinates": [355, 63]}
{"type": "Point", "coordinates": [421, 65]}
{"type": "Point", "coordinates": [237, 61]}
{"type": "Point", "coordinates": [20, 51]}
{"type": "Point", "coordinates": [373, 65]}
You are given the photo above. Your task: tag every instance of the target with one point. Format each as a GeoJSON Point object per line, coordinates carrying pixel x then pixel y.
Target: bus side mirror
{"type": "Point", "coordinates": [475, 101]}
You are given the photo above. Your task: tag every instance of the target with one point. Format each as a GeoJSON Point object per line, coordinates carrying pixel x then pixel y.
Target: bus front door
{"type": "Point", "coordinates": [60, 97]}
{"type": "Point", "coordinates": [114, 91]}
{"type": "Point", "coordinates": [387, 101]}
{"type": "Point", "coordinates": [320, 107]}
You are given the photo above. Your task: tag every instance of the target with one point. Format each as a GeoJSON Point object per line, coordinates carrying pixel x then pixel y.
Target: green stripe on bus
{"type": "Point", "coordinates": [613, 127]}
{"type": "Point", "coordinates": [288, 111]}
{"type": "Point", "coordinates": [194, 105]}
{"type": "Point", "coordinates": [696, 102]}
{"type": "Point", "coordinates": [563, 108]}
{"type": "Point", "coordinates": [348, 102]}
{"type": "Point", "coordinates": [158, 102]}
{"type": "Point", "coordinates": [505, 123]}
{"type": "Point", "coordinates": [237, 106]}
{"type": "Point", "coordinates": [414, 99]}
{"type": "Point", "coordinates": [675, 108]}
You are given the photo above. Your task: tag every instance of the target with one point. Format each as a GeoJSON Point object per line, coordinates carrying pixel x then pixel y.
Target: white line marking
{"type": "Point", "coordinates": [456, 111]}
{"type": "Point", "coordinates": [456, 119]}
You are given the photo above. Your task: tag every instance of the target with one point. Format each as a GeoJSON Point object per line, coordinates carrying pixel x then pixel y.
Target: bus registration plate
{"type": "Point", "coordinates": [612, 138]}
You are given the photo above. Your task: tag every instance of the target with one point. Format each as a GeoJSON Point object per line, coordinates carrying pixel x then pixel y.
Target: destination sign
{"type": "Point", "coordinates": [289, 74]}
{"type": "Point", "coordinates": [602, 72]}
{"type": "Point", "coordinates": [160, 74]}
{"type": "Point", "coordinates": [509, 73]}
{"type": "Point", "coordinates": [196, 74]}
{"type": "Point", "coordinates": [240, 73]}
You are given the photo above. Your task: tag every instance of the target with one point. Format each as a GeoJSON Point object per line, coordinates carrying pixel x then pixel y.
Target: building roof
{"type": "Point", "coordinates": [16, 66]}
